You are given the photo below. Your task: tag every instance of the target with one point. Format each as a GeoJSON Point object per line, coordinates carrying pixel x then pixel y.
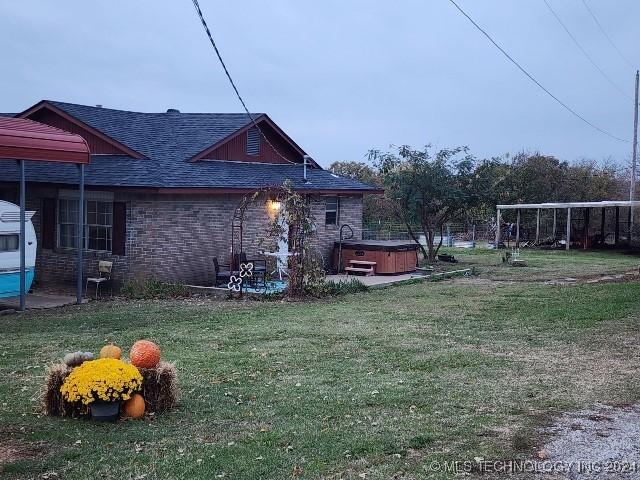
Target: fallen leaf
{"type": "Point", "coordinates": [543, 454]}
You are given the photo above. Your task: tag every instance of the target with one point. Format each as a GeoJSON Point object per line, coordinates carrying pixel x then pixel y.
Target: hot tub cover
{"type": "Point", "coordinates": [384, 245]}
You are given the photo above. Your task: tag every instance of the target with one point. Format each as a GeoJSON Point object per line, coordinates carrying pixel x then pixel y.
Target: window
{"type": "Point", "coordinates": [331, 211]}
{"type": "Point", "coordinates": [98, 224]}
{"type": "Point", "coordinates": [9, 243]}
{"type": "Point", "coordinates": [253, 141]}
{"type": "Point", "coordinates": [99, 219]}
{"type": "Point", "coordinates": [67, 223]}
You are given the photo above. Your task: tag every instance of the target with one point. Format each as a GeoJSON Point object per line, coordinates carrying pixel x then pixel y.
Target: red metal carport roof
{"type": "Point", "coordinates": [23, 139]}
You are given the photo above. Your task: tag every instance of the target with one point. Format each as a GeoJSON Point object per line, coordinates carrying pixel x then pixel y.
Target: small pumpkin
{"type": "Point", "coordinates": [134, 407]}
{"type": "Point", "coordinates": [110, 351]}
{"type": "Point", "coordinates": [145, 354]}
{"type": "Point", "coordinates": [74, 359]}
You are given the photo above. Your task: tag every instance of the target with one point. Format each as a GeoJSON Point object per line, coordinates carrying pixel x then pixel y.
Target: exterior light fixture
{"type": "Point", "coordinates": [274, 206]}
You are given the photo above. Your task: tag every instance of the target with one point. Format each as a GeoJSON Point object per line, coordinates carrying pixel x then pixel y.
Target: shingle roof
{"type": "Point", "coordinates": [157, 135]}
{"type": "Point", "coordinates": [169, 140]}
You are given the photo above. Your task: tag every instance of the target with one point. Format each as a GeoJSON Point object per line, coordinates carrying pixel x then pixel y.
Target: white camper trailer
{"type": "Point", "coordinates": [10, 250]}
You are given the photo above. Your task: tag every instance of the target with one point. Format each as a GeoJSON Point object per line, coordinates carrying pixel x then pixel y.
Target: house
{"type": "Point", "coordinates": [162, 189]}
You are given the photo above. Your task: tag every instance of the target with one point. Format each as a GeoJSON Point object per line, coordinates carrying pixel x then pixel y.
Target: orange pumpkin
{"type": "Point", "coordinates": [145, 354]}
{"type": "Point", "coordinates": [134, 407]}
{"type": "Point", "coordinates": [110, 351]}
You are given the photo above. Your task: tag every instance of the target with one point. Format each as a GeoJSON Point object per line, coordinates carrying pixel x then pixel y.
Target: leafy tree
{"type": "Point", "coordinates": [427, 189]}
{"type": "Point", "coordinates": [537, 178]}
{"type": "Point", "coordinates": [376, 208]}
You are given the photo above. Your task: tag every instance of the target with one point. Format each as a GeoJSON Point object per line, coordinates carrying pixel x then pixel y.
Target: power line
{"type": "Point", "coordinates": [226, 71]}
{"type": "Point", "coordinates": [604, 32]}
{"type": "Point", "coordinates": [544, 89]}
{"type": "Point", "coordinates": [584, 52]}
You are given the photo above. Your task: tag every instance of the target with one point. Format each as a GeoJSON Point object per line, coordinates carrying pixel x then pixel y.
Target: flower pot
{"type": "Point", "coordinates": [102, 411]}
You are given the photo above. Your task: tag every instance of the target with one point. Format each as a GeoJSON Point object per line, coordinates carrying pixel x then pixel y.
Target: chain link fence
{"type": "Point", "coordinates": [468, 235]}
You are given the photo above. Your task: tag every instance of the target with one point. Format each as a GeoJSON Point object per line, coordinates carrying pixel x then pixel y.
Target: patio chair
{"type": "Point", "coordinates": [221, 274]}
{"type": "Point", "coordinates": [103, 278]}
{"type": "Point", "coordinates": [259, 266]}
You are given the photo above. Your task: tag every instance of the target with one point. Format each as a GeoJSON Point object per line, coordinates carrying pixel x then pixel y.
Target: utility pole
{"type": "Point", "coordinates": [632, 186]}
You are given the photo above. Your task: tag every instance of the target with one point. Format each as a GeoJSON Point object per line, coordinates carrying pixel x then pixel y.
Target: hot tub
{"type": "Point", "coordinates": [392, 257]}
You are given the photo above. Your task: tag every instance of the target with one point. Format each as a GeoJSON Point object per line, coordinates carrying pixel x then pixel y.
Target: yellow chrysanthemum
{"type": "Point", "coordinates": [105, 378]}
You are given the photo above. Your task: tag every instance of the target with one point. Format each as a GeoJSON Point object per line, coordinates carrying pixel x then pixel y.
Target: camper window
{"type": "Point", "coordinates": [9, 243]}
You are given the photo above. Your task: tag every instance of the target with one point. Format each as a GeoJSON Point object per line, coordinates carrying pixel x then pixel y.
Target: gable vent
{"type": "Point", "coordinates": [253, 141]}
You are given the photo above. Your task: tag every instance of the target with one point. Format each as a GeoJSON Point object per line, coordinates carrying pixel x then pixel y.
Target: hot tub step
{"type": "Point", "coordinates": [366, 271]}
{"type": "Point", "coordinates": [362, 262]}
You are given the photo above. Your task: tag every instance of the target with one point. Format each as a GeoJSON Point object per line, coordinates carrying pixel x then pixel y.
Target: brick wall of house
{"type": "Point", "coordinates": [349, 212]}
{"type": "Point", "coordinates": [175, 237]}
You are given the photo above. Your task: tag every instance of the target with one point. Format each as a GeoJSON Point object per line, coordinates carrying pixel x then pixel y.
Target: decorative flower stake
{"type": "Point", "coordinates": [246, 269]}
{"type": "Point", "coordinates": [235, 283]}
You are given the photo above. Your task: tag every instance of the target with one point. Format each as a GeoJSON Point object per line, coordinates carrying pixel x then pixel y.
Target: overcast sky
{"type": "Point", "coordinates": [341, 77]}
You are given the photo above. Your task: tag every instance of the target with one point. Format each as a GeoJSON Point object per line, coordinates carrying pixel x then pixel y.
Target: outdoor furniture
{"type": "Point", "coordinates": [221, 274]}
{"type": "Point", "coordinates": [282, 260]}
{"type": "Point", "coordinates": [259, 266]}
{"type": "Point", "coordinates": [104, 277]}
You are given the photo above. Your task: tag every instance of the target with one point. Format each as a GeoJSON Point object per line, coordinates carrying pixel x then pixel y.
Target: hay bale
{"type": "Point", "coordinates": [52, 401]}
{"type": "Point", "coordinates": [160, 387]}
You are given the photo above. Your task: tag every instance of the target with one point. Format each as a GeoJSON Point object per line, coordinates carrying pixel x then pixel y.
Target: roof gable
{"type": "Point", "coordinates": [275, 146]}
{"type": "Point", "coordinates": [171, 135]}
{"type": "Point", "coordinates": [99, 143]}
{"type": "Point", "coordinates": [166, 135]}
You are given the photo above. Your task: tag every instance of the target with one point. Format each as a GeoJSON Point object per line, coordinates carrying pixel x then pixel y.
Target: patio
{"type": "Point", "coordinates": [39, 301]}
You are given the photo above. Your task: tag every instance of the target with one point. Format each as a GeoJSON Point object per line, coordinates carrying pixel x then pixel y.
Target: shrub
{"type": "Point", "coordinates": [331, 288]}
{"type": "Point", "coordinates": [152, 289]}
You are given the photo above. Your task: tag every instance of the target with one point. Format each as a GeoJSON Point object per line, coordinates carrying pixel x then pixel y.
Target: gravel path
{"type": "Point", "coordinates": [595, 444]}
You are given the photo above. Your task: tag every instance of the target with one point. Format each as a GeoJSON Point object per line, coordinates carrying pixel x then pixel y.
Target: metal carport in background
{"type": "Point", "coordinates": [25, 140]}
{"type": "Point", "coordinates": [568, 206]}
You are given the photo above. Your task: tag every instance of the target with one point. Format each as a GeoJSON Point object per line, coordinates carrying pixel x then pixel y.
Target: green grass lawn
{"type": "Point", "coordinates": [377, 384]}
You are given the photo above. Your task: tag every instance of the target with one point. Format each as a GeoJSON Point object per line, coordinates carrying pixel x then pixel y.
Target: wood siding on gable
{"type": "Point", "coordinates": [236, 149]}
{"type": "Point", "coordinates": [96, 144]}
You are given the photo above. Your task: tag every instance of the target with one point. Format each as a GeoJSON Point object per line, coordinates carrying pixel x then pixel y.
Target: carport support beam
{"type": "Point", "coordinates": [79, 269]}
{"type": "Point", "coordinates": [585, 229]}
{"type": "Point", "coordinates": [518, 230]}
{"type": "Point", "coordinates": [498, 221]}
{"type": "Point", "coordinates": [555, 215]}
{"type": "Point", "coordinates": [568, 228]}
{"type": "Point", "coordinates": [538, 226]}
{"type": "Point", "coordinates": [616, 232]}
{"type": "Point", "coordinates": [23, 243]}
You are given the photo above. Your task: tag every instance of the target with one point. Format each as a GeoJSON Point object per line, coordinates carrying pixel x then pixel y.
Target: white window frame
{"type": "Point", "coordinates": [337, 209]}
{"type": "Point", "coordinates": [101, 197]}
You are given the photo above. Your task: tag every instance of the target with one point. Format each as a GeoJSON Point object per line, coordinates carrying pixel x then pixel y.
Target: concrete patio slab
{"type": "Point", "coordinates": [38, 301]}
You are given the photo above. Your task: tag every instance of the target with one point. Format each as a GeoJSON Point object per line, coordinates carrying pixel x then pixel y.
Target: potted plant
{"type": "Point", "coordinates": [102, 385]}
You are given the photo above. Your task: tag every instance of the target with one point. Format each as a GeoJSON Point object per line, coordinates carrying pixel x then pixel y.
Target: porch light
{"type": "Point", "coordinates": [274, 206]}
